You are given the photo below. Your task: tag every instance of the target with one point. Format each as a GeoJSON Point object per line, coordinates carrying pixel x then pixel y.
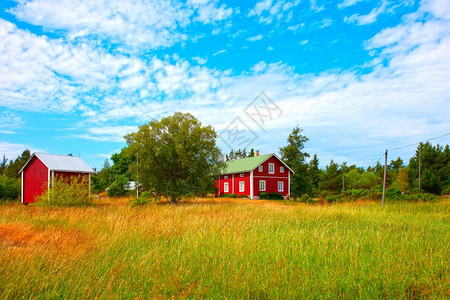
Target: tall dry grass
{"type": "Point", "coordinates": [225, 249]}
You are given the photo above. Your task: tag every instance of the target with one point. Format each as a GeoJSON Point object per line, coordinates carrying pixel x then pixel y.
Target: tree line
{"type": "Point", "coordinates": [340, 178]}
{"type": "Point", "coordinates": [178, 156]}
{"type": "Point", "coordinates": [10, 177]}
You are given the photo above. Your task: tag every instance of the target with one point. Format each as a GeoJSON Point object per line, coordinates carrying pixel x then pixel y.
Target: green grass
{"type": "Point", "coordinates": [226, 249]}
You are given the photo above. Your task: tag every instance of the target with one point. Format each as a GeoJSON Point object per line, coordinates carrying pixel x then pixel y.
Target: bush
{"type": "Point", "coordinates": [145, 198]}
{"type": "Point", "coordinates": [140, 201]}
{"type": "Point", "coordinates": [426, 197]}
{"type": "Point", "coordinates": [276, 196]}
{"type": "Point", "coordinates": [264, 195]}
{"type": "Point", "coordinates": [393, 193]}
{"type": "Point", "coordinates": [334, 198]}
{"type": "Point", "coordinates": [9, 188]}
{"type": "Point", "coordinates": [244, 196]}
{"type": "Point", "coordinates": [374, 196]}
{"type": "Point", "coordinates": [446, 191]}
{"type": "Point", "coordinates": [232, 195]}
{"type": "Point", "coordinates": [73, 191]}
{"type": "Point", "coordinates": [305, 198]}
{"type": "Point", "coordinates": [119, 187]}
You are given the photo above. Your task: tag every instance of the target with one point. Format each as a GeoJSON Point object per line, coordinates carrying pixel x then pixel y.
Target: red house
{"type": "Point", "coordinates": [39, 173]}
{"type": "Point", "coordinates": [252, 175]}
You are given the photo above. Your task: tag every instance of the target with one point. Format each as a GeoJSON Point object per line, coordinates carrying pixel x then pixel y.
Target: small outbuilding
{"type": "Point", "coordinates": [253, 175]}
{"type": "Point", "coordinates": [40, 171]}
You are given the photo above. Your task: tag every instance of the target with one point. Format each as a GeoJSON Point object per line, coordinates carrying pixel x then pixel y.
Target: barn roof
{"type": "Point", "coordinates": [61, 163]}
{"type": "Point", "coordinates": [248, 164]}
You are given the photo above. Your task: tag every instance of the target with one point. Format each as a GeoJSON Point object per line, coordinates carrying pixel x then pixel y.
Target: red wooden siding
{"type": "Point", "coordinates": [233, 184]}
{"type": "Point", "coordinates": [35, 180]}
{"type": "Point", "coordinates": [35, 177]}
{"type": "Point", "coordinates": [272, 180]}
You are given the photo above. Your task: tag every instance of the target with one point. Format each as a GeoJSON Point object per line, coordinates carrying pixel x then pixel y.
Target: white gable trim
{"type": "Point", "coordinates": [274, 167]}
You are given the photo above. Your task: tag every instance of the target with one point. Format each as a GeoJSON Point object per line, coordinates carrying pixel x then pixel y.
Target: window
{"type": "Point", "coordinates": [225, 187]}
{"type": "Point", "coordinates": [281, 169]}
{"type": "Point", "coordinates": [260, 168]}
{"type": "Point", "coordinates": [262, 185]}
{"type": "Point", "coordinates": [242, 175]}
{"type": "Point", "coordinates": [271, 168]}
{"type": "Point", "coordinates": [241, 186]}
{"type": "Point", "coordinates": [280, 186]}
{"type": "Point", "coordinates": [225, 177]}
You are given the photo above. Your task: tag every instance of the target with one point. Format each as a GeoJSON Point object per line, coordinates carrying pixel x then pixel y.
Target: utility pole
{"type": "Point", "coordinates": [384, 178]}
{"type": "Point", "coordinates": [137, 175]}
{"type": "Point", "coordinates": [420, 150]}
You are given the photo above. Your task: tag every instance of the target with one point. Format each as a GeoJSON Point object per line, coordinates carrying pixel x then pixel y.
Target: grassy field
{"type": "Point", "coordinates": [226, 249]}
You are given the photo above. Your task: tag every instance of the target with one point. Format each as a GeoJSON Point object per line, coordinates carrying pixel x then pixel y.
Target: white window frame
{"type": "Point", "coordinates": [260, 168]}
{"type": "Point", "coordinates": [241, 175]}
{"type": "Point", "coordinates": [282, 186]}
{"type": "Point", "coordinates": [241, 186]}
{"type": "Point", "coordinates": [262, 185]}
{"type": "Point", "coordinates": [271, 168]}
{"type": "Point", "coordinates": [281, 169]}
{"type": "Point", "coordinates": [226, 187]}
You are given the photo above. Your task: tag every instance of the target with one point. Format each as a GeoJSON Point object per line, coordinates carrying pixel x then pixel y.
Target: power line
{"type": "Point", "coordinates": [419, 142]}
{"type": "Point", "coordinates": [373, 165]}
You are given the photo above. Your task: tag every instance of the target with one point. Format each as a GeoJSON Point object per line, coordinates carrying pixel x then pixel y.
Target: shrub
{"type": "Point", "coordinates": [146, 197]}
{"type": "Point", "coordinates": [305, 198]}
{"type": "Point", "coordinates": [446, 191]}
{"type": "Point", "coordinates": [276, 196]}
{"type": "Point", "coordinates": [140, 201]}
{"type": "Point", "coordinates": [374, 196]}
{"type": "Point", "coordinates": [264, 195]}
{"type": "Point", "coordinates": [334, 198]}
{"type": "Point", "coordinates": [426, 197]}
{"type": "Point", "coordinates": [73, 191]}
{"type": "Point", "coordinates": [9, 188]}
{"type": "Point", "coordinates": [243, 196]}
{"type": "Point", "coordinates": [393, 193]}
{"type": "Point", "coordinates": [119, 187]}
{"type": "Point", "coordinates": [232, 195]}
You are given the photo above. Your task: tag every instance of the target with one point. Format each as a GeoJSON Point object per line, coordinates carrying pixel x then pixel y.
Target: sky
{"type": "Point", "coordinates": [357, 76]}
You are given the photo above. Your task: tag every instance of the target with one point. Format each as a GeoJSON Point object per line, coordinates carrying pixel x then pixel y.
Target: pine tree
{"type": "Point", "coordinates": [293, 155]}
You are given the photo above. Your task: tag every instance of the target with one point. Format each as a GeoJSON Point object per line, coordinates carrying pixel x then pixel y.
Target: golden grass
{"type": "Point", "coordinates": [225, 248]}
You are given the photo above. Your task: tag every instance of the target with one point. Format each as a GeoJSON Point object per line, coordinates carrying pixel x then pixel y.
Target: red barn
{"type": "Point", "coordinates": [252, 175]}
{"type": "Point", "coordinates": [39, 173]}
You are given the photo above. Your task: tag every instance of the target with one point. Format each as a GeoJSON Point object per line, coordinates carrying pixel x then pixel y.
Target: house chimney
{"type": "Point", "coordinates": [257, 153]}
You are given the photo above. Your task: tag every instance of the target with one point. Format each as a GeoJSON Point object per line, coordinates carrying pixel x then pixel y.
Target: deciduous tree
{"type": "Point", "coordinates": [176, 155]}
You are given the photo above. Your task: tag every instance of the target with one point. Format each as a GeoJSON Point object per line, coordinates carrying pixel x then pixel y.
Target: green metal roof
{"type": "Point", "coordinates": [245, 164]}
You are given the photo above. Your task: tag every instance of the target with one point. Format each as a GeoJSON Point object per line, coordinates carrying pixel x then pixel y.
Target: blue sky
{"type": "Point", "coordinates": [358, 76]}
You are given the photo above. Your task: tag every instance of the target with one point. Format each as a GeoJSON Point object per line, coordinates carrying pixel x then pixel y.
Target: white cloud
{"type": "Point", "coordinates": [12, 150]}
{"type": "Point", "coordinates": [369, 18]}
{"type": "Point", "coordinates": [9, 121]}
{"type": "Point", "coordinates": [108, 133]}
{"type": "Point", "coordinates": [209, 11]}
{"type": "Point", "coordinates": [347, 3]}
{"type": "Point", "coordinates": [269, 11]}
{"type": "Point", "coordinates": [439, 8]}
{"type": "Point", "coordinates": [326, 22]}
{"type": "Point", "coordinates": [200, 60]}
{"type": "Point", "coordinates": [316, 7]}
{"type": "Point", "coordinates": [219, 52]}
{"type": "Point", "coordinates": [255, 38]}
{"type": "Point", "coordinates": [146, 24]}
